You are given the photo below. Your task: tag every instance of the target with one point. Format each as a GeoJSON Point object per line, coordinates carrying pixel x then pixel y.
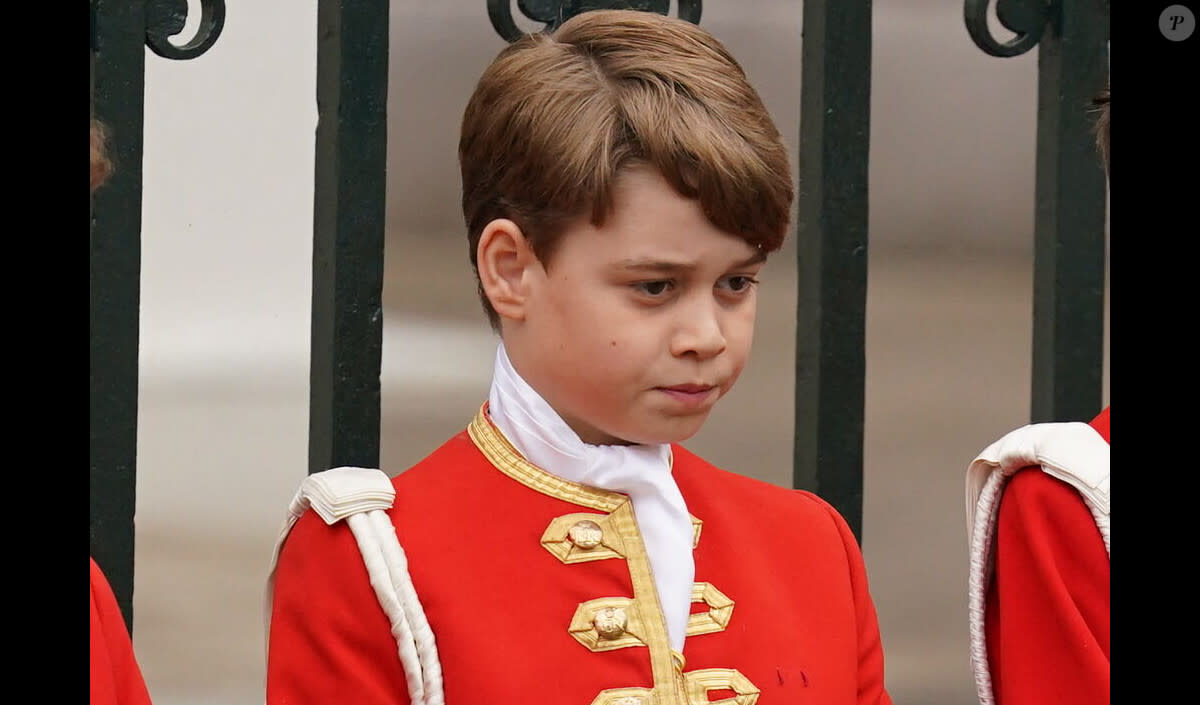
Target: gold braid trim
{"type": "Point", "coordinates": [507, 460]}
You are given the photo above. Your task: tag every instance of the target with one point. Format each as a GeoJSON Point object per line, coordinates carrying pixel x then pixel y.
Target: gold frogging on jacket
{"type": "Point", "coordinates": [583, 536]}
{"type": "Point", "coordinates": [697, 685]}
{"type": "Point", "coordinates": [611, 623]}
{"type": "Point", "coordinates": [618, 622]}
{"type": "Point", "coordinates": [608, 623]}
{"type": "Point", "coordinates": [720, 610]}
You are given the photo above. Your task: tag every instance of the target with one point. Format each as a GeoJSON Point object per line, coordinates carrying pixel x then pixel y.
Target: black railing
{"type": "Point", "coordinates": [552, 13]}
{"type": "Point", "coordinates": [1069, 248]}
{"type": "Point", "coordinates": [121, 31]}
{"type": "Point", "coordinates": [348, 234]}
{"type": "Point", "coordinates": [831, 252]}
{"type": "Point", "coordinates": [348, 229]}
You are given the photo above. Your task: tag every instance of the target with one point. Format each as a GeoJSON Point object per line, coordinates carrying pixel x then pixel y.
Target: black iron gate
{"type": "Point", "coordinates": [348, 229]}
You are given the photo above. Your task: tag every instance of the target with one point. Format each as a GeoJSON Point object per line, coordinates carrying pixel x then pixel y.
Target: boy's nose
{"type": "Point", "coordinates": [699, 334]}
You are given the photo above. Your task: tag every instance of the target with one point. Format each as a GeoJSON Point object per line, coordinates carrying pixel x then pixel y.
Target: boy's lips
{"type": "Point", "coordinates": [691, 395]}
{"type": "Point", "coordinates": [688, 388]}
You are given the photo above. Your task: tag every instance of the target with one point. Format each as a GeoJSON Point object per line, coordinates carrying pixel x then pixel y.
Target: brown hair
{"type": "Point", "coordinates": [556, 117]}
{"type": "Point", "coordinates": [101, 163]}
{"type": "Point", "coordinates": [1101, 104]}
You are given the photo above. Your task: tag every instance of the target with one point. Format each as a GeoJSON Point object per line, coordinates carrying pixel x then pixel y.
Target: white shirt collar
{"type": "Point", "coordinates": [641, 471]}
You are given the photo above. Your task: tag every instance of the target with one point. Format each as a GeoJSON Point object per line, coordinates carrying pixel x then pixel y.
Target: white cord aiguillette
{"type": "Point", "coordinates": [362, 497]}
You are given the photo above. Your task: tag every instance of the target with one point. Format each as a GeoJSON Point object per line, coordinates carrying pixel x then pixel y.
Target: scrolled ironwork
{"type": "Point", "coordinates": [552, 13]}
{"type": "Point", "coordinates": [166, 18]}
{"type": "Point", "coordinates": [1025, 18]}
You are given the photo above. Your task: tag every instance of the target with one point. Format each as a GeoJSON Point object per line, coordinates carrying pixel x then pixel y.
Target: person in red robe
{"type": "Point", "coordinates": [1040, 578]}
{"type": "Point", "coordinates": [623, 185]}
{"type": "Point", "coordinates": [116, 678]}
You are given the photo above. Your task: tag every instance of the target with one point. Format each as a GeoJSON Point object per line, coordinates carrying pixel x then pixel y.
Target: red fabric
{"type": "Point", "coordinates": [1100, 423]}
{"type": "Point", "coordinates": [1047, 613]}
{"type": "Point", "coordinates": [116, 678]}
{"type": "Point", "coordinates": [803, 628]}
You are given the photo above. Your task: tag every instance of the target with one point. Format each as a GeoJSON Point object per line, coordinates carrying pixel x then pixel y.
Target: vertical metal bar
{"type": "Point", "coordinates": [348, 236]}
{"type": "Point", "coordinates": [120, 32]}
{"type": "Point", "coordinates": [118, 70]}
{"type": "Point", "coordinates": [832, 253]}
{"type": "Point", "coordinates": [1068, 292]}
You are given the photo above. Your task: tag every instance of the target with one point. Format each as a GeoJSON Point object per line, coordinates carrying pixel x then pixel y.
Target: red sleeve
{"type": "Point", "coordinates": [116, 678]}
{"type": "Point", "coordinates": [1100, 423]}
{"type": "Point", "coordinates": [871, 689]}
{"type": "Point", "coordinates": [328, 635]}
{"type": "Point", "coordinates": [1047, 618]}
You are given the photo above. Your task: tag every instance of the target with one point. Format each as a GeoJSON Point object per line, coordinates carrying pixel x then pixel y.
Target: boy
{"type": "Point", "coordinates": [1040, 580]}
{"type": "Point", "coordinates": [623, 185]}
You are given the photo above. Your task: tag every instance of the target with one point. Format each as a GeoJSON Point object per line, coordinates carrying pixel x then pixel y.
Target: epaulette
{"type": "Point", "coordinates": [361, 497]}
{"type": "Point", "coordinates": [1072, 452]}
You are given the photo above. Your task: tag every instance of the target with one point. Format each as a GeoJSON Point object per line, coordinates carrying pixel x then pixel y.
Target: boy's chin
{"type": "Point", "coordinates": [644, 428]}
{"type": "Point", "coordinates": [667, 436]}
{"type": "Point", "coordinates": [642, 439]}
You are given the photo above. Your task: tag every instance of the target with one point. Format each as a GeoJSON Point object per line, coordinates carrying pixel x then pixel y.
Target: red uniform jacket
{"type": "Point", "coordinates": [1048, 606]}
{"type": "Point", "coordinates": [781, 610]}
{"type": "Point", "coordinates": [116, 678]}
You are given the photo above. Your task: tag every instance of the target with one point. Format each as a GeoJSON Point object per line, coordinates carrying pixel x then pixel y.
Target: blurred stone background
{"type": "Point", "coordinates": [227, 257]}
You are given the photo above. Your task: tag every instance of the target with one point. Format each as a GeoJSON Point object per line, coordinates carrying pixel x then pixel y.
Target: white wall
{"type": "Point", "coordinates": [226, 274]}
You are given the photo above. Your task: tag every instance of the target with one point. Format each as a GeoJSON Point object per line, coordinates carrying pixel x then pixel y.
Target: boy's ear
{"type": "Point", "coordinates": [504, 258]}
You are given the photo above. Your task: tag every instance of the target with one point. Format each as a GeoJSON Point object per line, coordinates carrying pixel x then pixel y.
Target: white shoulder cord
{"type": "Point", "coordinates": [361, 496]}
{"type": "Point", "coordinates": [1072, 452]}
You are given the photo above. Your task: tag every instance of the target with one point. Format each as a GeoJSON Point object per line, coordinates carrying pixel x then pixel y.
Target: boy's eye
{"type": "Point", "coordinates": [654, 288]}
{"type": "Point", "coordinates": [737, 283]}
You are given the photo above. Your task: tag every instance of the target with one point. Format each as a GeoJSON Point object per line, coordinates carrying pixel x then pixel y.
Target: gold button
{"type": "Point", "coordinates": [610, 622]}
{"type": "Point", "coordinates": [585, 534]}
{"type": "Point", "coordinates": [630, 700]}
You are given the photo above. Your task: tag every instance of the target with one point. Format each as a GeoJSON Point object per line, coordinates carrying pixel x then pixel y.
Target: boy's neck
{"type": "Point", "coordinates": [512, 352]}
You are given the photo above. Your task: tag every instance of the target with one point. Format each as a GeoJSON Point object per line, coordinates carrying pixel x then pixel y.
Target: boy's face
{"type": "Point", "coordinates": [637, 328]}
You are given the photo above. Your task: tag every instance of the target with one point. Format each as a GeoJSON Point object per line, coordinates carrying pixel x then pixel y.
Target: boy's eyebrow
{"type": "Point", "coordinates": [653, 265]}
